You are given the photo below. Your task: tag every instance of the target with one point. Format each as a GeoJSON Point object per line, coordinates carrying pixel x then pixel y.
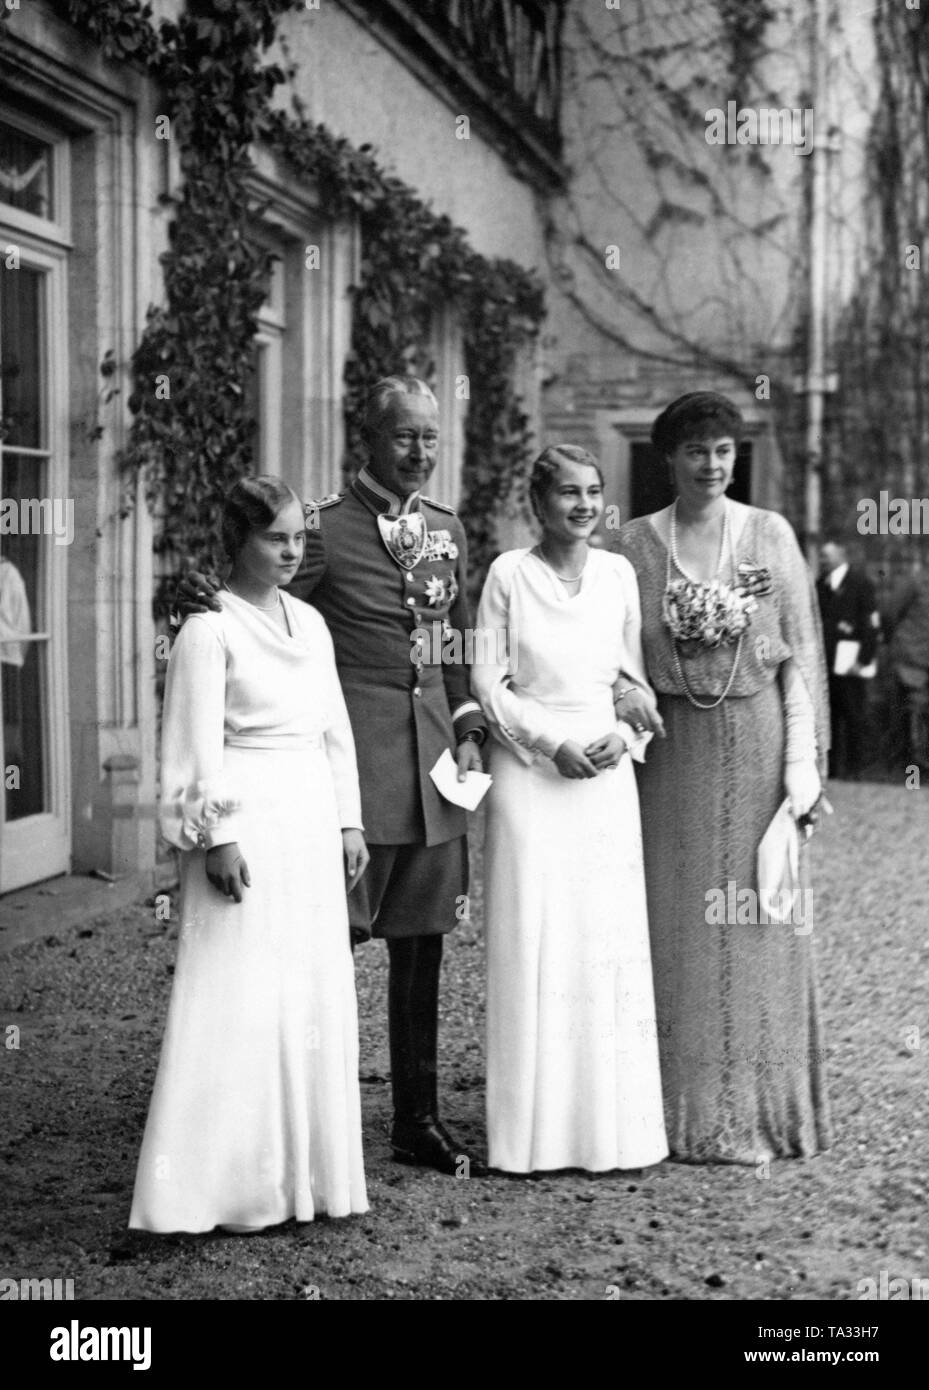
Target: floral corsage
{"type": "Point", "coordinates": [706, 612]}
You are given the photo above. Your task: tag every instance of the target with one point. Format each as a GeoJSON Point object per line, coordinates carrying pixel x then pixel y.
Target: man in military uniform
{"type": "Point", "coordinates": [384, 565]}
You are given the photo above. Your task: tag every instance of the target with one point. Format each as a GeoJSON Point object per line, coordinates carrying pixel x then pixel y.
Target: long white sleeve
{"type": "Point", "coordinates": [633, 658]}
{"type": "Point", "coordinates": [799, 715]}
{"type": "Point", "coordinates": [633, 668]}
{"type": "Point", "coordinates": [514, 716]}
{"type": "Point", "coordinates": [340, 747]}
{"type": "Point", "coordinates": [197, 808]}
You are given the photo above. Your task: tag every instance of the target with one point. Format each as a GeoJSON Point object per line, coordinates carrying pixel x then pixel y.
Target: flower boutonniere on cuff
{"type": "Point", "coordinates": [754, 579]}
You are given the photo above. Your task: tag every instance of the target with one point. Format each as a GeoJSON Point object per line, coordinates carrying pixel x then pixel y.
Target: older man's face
{"type": "Point", "coordinates": [404, 447]}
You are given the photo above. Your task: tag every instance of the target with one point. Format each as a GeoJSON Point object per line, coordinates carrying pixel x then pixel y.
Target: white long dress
{"type": "Point", "coordinates": [256, 1114]}
{"type": "Point", "coordinates": [572, 1053]}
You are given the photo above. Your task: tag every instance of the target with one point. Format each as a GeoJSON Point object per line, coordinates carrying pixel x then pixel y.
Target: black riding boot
{"type": "Point", "coordinates": [413, 1010]}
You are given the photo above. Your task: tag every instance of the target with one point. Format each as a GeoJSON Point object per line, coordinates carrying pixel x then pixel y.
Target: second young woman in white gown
{"type": "Point", "coordinates": [256, 1113]}
{"type": "Point", "coordinates": [572, 1052]}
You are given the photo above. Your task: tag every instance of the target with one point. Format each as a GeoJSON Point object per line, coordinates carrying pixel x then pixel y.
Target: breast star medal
{"type": "Point", "coordinates": [404, 537]}
{"type": "Point", "coordinates": [441, 592]}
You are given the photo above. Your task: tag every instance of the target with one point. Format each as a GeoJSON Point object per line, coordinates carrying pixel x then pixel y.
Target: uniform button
{"type": "Point", "coordinates": [417, 616]}
{"type": "Point", "coordinates": [411, 600]}
{"type": "Point", "coordinates": [416, 690]}
{"type": "Point", "coordinates": [409, 577]}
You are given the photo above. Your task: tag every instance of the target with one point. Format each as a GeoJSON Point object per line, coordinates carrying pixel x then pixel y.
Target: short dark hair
{"type": "Point", "coordinates": [545, 470]}
{"type": "Point", "coordinates": [694, 416]}
{"type": "Point", "coordinates": [251, 504]}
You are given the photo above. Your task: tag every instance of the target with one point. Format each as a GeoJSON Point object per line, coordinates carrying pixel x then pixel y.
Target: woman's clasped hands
{"type": "Point", "coordinates": [574, 761]}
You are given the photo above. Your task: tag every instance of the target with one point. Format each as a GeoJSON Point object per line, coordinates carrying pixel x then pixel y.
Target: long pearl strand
{"type": "Point", "coordinates": [725, 542]}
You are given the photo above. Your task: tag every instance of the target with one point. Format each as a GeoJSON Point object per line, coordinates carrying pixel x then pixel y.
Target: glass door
{"type": "Point", "coordinates": [36, 528]}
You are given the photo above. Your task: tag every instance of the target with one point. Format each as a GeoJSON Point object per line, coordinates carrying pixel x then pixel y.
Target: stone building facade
{"type": "Point", "coordinates": [83, 176]}
{"type": "Point", "coordinates": [707, 291]}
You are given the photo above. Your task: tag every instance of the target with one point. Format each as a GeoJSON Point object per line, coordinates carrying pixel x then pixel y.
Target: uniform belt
{"type": "Point", "coordinates": [273, 742]}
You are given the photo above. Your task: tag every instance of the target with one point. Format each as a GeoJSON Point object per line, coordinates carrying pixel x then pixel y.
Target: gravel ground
{"type": "Point", "coordinates": [90, 1005]}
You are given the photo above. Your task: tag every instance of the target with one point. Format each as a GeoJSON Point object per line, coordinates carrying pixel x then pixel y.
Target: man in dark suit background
{"type": "Point", "coordinates": [851, 628]}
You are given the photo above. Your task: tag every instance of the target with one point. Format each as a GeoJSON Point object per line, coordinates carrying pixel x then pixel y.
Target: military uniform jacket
{"type": "Point", "coordinates": [390, 625]}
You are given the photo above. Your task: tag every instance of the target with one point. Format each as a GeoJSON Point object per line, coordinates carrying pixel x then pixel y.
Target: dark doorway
{"type": "Point", "coordinates": [651, 478]}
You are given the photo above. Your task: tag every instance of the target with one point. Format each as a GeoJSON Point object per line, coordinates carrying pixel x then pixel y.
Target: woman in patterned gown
{"type": "Point", "coordinates": [256, 1114]}
{"type": "Point", "coordinates": [733, 649]}
{"type": "Point", "coordinates": [572, 1054]}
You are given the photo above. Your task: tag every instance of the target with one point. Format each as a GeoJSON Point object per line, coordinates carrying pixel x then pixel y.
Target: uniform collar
{"type": "Point", "coordinates": [379, 499]}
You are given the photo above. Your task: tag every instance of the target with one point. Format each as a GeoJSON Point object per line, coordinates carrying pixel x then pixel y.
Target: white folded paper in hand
{"type": "Point", "coordinates": [469, 793]}
{"type": "Point", "coordinates": [846, 654]}
{"type": "Point", "coordinates": [779, 889]}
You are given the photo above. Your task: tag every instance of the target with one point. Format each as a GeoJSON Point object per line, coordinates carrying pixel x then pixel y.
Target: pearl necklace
{"type": "Point", "coordinates": [565, 578]}
{"type": "Point", "coordinates": [725, 541]}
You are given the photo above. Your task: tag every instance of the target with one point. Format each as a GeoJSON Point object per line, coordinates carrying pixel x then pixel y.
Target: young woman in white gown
{"type": "Point", "coordinates": [572, 1052]}
{"type": "Point", "coordinates": [256, 1114]}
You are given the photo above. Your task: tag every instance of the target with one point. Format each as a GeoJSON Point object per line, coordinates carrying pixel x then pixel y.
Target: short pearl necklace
{"type": "Point", "coordinates": [566, 578]}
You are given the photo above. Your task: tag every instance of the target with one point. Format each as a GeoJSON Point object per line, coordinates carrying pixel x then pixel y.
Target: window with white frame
{"type": "Point", "coordinates": [303, 337]}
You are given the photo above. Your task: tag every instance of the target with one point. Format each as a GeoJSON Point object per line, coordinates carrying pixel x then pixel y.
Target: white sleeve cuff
{"type": "Point", "coordinates": [226, 832]}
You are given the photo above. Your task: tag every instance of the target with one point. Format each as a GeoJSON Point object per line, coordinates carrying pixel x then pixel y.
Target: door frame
{"type": "Point", "coordinates": [39, 846]}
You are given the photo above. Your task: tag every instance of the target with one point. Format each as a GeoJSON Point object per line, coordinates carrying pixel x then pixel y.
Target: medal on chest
{"type": "Point", "coordinates": [440, 546]}
{"type": "Point", "coordinates": [404, 537]}
{"type": "Point", "coordinates": [441, 590]}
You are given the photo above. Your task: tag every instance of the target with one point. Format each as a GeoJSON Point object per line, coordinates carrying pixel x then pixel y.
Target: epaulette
{"type": "Point", "coordinates": [320, 502]}
{"type": "Point", "coordinates": [441, 506]}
